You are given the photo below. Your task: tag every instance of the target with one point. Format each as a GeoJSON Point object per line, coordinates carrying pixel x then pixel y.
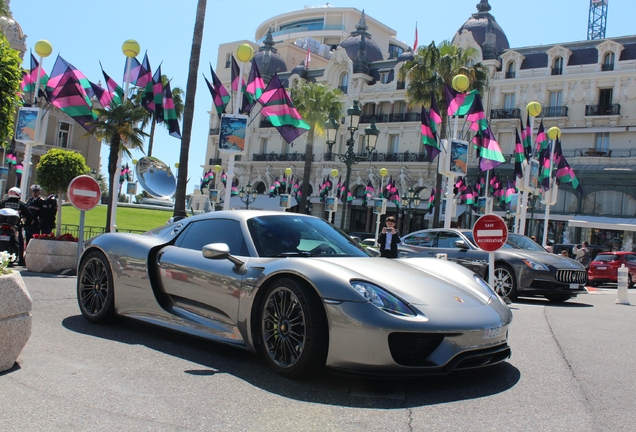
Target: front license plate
{"type": "Point", "coordinates": [601, 268]}
{"type": "Point", "coordinates": [4, 238]}
{"type": "Point", "coordinates": [574, 286]}
{"type": "Point", "coordinates": [492, 332]}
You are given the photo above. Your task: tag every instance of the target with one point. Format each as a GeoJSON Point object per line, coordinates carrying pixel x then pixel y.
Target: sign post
{"type": "Point", "coordinates": [490, 233]}
{"type": "Point", "coordinates": [84, 193]}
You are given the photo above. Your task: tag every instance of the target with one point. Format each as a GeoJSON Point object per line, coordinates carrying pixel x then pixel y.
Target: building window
{"type": "Point", "coordinates": [509, 101]}
{"type": "Point", "coordinates": [228, 60]}
{"type": "Point", "coordinates": [394, 144]}
{"type": "Point", "coordinates": [555, 98]}
{"type": "Point", "coordinates": [557, 67]}
{"type": "Point", "coordinates": [384, 77]}
{"type": "Point", "coordinates": [510, 70]}
{"type": "Point", "coordinates": [394, 51]}
{"type": "Point", "coordinates": [602, 141]}
{"type": "Point", "coordinates": [344, 83]}
{"type": "Point", "coordinates": [608, 62]}
{"type": "Point", "coordinates": [263, 146]}
{"type": "Point", "coordinates": [64, 135]}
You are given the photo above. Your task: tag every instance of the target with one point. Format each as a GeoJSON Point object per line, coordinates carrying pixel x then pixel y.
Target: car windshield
{"type": "Point", "coordinates": [523, 242]}
{"type": "Point", "coordinates": [276, 236]}
{"type": "Point", "coordinates": [607, 257]}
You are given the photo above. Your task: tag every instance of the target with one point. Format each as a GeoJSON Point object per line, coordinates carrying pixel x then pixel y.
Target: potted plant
{"type": "Point", "coordinates": [47, 253]}
{"type": "Point", "coordinates": [15, 313]}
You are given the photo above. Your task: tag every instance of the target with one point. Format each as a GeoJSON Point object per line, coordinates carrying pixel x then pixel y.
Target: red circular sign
{"type": "Point", "coordinates": [84, 192]}
{"type": "Point", "coordinates": [490, 232]}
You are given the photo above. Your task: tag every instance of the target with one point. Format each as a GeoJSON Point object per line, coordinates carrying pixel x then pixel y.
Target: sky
{"type": "Point", "coordinates": [87, 32]}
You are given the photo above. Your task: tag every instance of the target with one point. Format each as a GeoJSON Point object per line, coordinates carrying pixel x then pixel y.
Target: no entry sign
{"type": "Point", "coordinates": [84, 193]}
{"type": "Point", "coordinates": [490, 232]}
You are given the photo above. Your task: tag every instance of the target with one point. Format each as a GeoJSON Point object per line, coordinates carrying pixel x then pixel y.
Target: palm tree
{"type": "Point", "coordinates": [188, 111]}
{"type": "Point", "coordinates": [430, 69]}
{"type": "Point", "coordinates": [118, 125]}
{"type": "Point", "coordinates": [177, 96]}
{"type": "Point", "coordinates": [316, 103]}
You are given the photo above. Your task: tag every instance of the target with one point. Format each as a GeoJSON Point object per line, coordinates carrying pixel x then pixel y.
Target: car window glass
{"type": "Point", "coordinates": [606, 257]}
{"type": "Point", "coordinates": [209, 231]}
{"type": "Point", "coordinates": [447, 239]}
{"type": "Point", "coordinates": [630, 258]}
{"type": "Point", "coordinates": [420, 239]}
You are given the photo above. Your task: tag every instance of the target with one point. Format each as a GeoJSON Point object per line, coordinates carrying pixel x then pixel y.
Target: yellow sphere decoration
{"type": "Point", "coordinates": [244, 52]}
{"type": "Point", "coordinates": [534, 108]}
{"type": "Point", "coordinates": [134, 161]}
{"type": "Point", "coordinates": [461, 83]}
{"type": "Point", "coordinates": [334, 173]}
{"type": "Point", "coordinates": [43, 48]}
{"type": "Point", "coordinates": [554, 133]}
{"type": "Point", "coordinates": [130, 48]}
{"type": "Point", "coordinates": [217, 168]}
{"type": "Point", "coordinates": [384, 172]}
{"type": "Point", "coordinates": [288, 171]}
{"type": "Point", "coordinates": [176, 165]}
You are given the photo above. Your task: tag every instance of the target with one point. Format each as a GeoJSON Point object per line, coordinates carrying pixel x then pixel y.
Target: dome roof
{"type": "Point", "coordinates": [406, 56]}
{"type": "Point", "coordinates": [267, 58]}
{"type": "Point", "coordinates": [359, 39]}
{"type": "Point", "coordinates": [14, 34]}
{"type": "Point", "coordinates": [485, 30]}
{"type": "Point", "coordinates": [300, 70]}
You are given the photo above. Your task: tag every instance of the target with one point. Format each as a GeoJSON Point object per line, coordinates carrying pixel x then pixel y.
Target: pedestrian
{"type": "Point", "coordinates": [582, 254]}
{"type": "Point", "coordinates": [389, 239]}
{"type": "Point", "coordinates": [533, 238]}
{"type": "Point", "coordinates": [13, 202]}
{"type": "Point", "coordinates": [35, 204]}
{"type": "Point", "coordinates": [548, 246]}
{"type": "Point", "coordinates": [47, 216]}
{"type": "Point", "coordinates": [565, 253]}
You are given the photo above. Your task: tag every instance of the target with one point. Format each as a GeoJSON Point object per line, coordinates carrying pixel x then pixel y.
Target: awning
{"type": "Point", "coordinates": [601, 222]}
{"type": "Point", "coordinates": [262, 202]}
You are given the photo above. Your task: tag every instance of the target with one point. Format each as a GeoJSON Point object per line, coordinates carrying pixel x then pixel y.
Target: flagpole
{"type": "Point", "coordinates": [383, 173]}
{"type": "Point", "coordinates": [450, 202]}
{"type": "Point", "coordinates": [553, 134]}
{"type": "Point", "coordinates": [534, 109]}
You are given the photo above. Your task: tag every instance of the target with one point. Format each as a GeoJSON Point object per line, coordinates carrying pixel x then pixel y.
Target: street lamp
{"type": "Point", "coordinates": [410, 203]}
{"type": "Point", "coordinates": [246, 195]}
{"type": "Point", "coordinates": [349, 158]}
{"type": "Point", "coordinates": [331, 129]}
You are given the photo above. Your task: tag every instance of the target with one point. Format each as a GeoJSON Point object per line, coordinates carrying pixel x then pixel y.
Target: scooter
{"type": "Point", "coordinates": [9, 230]}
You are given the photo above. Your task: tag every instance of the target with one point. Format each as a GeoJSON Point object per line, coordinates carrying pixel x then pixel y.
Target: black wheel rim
{"type": "Point", "coordinates": [503, 282]}
{"type": "Point", "coordinates": [93, 287]}
{"type": "Point", "coordinates": [283, 327]}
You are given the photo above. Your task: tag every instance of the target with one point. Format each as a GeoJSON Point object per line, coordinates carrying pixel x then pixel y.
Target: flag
{"type": "Point", "coordinates": [18, 171]}
{"type": "Point", "coordinates": [135, 71]}
{"type": "Point", "coordinates": [490, 151]}
{"type": "Point", "coordinates": [71, 98]}
{"type": "Point", "coordinates": [307, 57]}
{"type": "Point", "coordinates": [544, 168]}
{"type": "Point", "coordinates": [156, 105]}
{"type": "Point", "coordinates": [565, 174]}
{"type": "Point", "coordinates": [169, 113]}
{"type": "Point", "coordinates": [415, 44]}
{"type": "Point", "coordinates": [476, 115]}
{"type": "Point", "coordinates": [236, 70]}
{"type": "Point", "coordinates": [508, 193]}
{"type": "Point", "coordinates": [429, 137]}
{"type": "Point", "coordinates": [103, 96]}
{"type": "Point", "coordinates": [224, 178]}
{"type": "Point", "coordinates": [431, 201]}
{"type": "Point", "coordinates": [115, 91]}
{"type": "Point", "coordinates": [458, 103]}
{"type": "Point", "coordinates": [282, 114]}
{"type": "Point", "coordinates": [220, 96]}
{"type": "Point", "coordinates": [60, 69]}
{"type": "Point", "coordinates": [272, 87]}
{"type": "Point", "coordinates": [526, 137]}
{"type": "Point", "coordinates": [11, 157]}
{"type": "Point", "coordinates": [542, 139]}
{"type": "Point", "coordinates": [434, 114]}
{"type": "Point", "coordinates": [520, 155]}
{"type": "Point", "coordinates": [254, 89]}
{"type": "Point", "coordinates": [145, 73]}
{"type": "Point", "coordinates": [369, 191]}
{"type": "Point", "coordinates": [30, 77]}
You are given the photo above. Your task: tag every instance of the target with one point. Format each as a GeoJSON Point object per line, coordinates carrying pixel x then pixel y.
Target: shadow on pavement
{"type": "Point", "coordinates": [572, 303]}
{"type": "Point", "coordinates": [324, 388]}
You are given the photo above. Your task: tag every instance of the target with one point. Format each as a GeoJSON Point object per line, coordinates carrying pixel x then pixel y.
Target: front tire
{"type": "Point", "coordinates": [505, 283]}
{"type": "Point", "coordinates": [95, 291]}
{"type": "Point", "coordinates": [293, 329]}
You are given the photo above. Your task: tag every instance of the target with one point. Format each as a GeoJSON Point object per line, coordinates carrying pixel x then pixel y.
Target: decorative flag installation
{"type": "Point", "coordinates": [564, 173]}
{"type": "Point", "coordinates": [434, 114]}
{"type": "Point", "coordinates": [415, 43]}
{"type": "Point", "coordinates": [220, 96]}
{"type": "Point", "coordinates": [30, 77]}
{"type": "Point", "coordinates": [115, 91]}
{"type": "Point", "coordinates": [254, 89]}
{"type": "Point", "coordinates": [431, 201]}
{"type": "Point", "coordinates": [542, 139]}
{"type": "Point", "coordinates": [60, 69]}
{"type": "Point", "coordinates": [490, 151]}
{"type": "Point", "coordinates": [476, 115]}
{"type": "Point", "coordinates": [526, 137]}
{"type": "Point", "coordinates": [458, 103]}
{"type": "Point", "coordinates": [70, 97]}
{"type": "Point", "coordinates": [169, 113]}
{"type": "Point", "coordinates": [520, 155]}
{"type": "Point", "coordinates": [282, 114]}
{"type": "Point", "coordinates": [429, 137]}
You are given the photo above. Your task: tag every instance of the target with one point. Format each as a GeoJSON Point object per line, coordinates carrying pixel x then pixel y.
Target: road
{"type": "Point", "coordinates": [572, 369]}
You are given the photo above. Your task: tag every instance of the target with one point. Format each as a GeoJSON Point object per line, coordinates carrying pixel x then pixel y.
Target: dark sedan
{"type": "Point", "coordinates": [522, 267]}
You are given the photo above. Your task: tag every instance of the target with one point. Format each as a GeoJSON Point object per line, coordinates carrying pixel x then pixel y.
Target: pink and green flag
{"type": "Point", "coordinates": [429, 138]}
{"type": "Point", "coordinates": [542, 139]}
{"type": "Point", "coordinates": [520, 155]}
{"type": "Point", "coordinates": [434, 115]}
{"type": "Point", "coordinates": [255, 87]}
{"type": "Point", "coordinates": [565, 174]}
{"type": "Point", "coordinates": [490, 151]}
{"type": "Point", "coordinates": [526, 137]}
{"type": "Point", "coordinates": [69, 96]}
{"type": "Point", "coordinates": [30, 77]}
{"type": "Point", "coordinates": [476, 115]}
{"type": "Point", "coordinates": [169, 113]}
{"type": "Point", "coordinates": [282, 114]}
{"type": "Point", "coordinates": [458, 103]}
{"type": "Point", "coordinates": [114, 90]}
{"type": "Point", "coordinates": [60, 69]}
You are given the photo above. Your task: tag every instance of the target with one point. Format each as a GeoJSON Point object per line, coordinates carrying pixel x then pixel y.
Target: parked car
{"type": "Point", "coordinates": [297, 290]}
{"type": "Point", "coordinates": [604, 268]}
{"type": "Point", "coordinates": [594, 249]}
{"type": "Point", "coordinates": [519, 271]}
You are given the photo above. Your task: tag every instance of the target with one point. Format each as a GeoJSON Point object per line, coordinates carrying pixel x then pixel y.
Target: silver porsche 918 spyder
{"type": "Point", "coordinates": [298, 290]}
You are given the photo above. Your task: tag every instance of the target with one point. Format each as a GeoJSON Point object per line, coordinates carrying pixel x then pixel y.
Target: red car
{"type": "Point", "coordinates": [605, 266]}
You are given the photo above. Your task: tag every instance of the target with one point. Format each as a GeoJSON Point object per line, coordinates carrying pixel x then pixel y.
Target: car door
{"type": "Point", "coordinates": [630, 263]}
{"type": "Point", "coordinates": [445, 243]}
{"type": "Point", "coordinates": [207, 287]}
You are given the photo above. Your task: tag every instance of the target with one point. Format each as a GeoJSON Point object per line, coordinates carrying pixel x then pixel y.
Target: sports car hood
{"type": "Point", "coordinates": [549, 259]}
{"type": "Point", "coordinates": [420, 281]}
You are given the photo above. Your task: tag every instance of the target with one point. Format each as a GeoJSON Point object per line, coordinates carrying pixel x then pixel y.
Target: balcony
{"type": "Point", "coordinates": [214, 131]}
{"type": "Point", "coordinates": [603, 110]}
{"type": "Point", "coordinates": [510, 75]}
{"type": "Point", "coordinates": [265, 123]}
{"type": "Point", "coordinates": [214, 161]}
{"type": "Point", "coordinates": [557, 71]}
{"type": "Point", "coordinates": [391, 118]}
{"type": "Point", "coordinates": [306, 28]}
{"type": "Point", "coordinates": [278, 157]}
{"type": "Point", "coordinates": [607, 67]}
{"type": "Point", "coordinates": [343, 89]}
{"type": "Point", "coordinates": [401, 85]}
{"type": "Point", "coordinates": [555, 111]}
{"type": "Point", "coordinates": [505, 113]}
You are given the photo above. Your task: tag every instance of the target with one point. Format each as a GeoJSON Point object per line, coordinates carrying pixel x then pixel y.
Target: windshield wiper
{"type": "Point", "coordinates": [293, 254]}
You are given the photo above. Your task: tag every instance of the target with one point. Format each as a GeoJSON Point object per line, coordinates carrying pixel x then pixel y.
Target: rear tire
{"type": "Point", "coordinates": [95, 290]}
{"type": "Point", "coordinates": [505, 283]}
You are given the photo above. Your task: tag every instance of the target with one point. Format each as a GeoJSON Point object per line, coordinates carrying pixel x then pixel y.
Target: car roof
{"type": "Point", "coordinates": [617, 253]}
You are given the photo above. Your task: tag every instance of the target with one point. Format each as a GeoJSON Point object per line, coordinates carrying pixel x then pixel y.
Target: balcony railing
{"type": "Point", "coordinates": [390, 118]}
{"type": "Point", "coordinates": [214, 131]}
{"type": "Point", "coordinates": [343, 89]}
{"type": "Point", "coordinates": [505, 113]}
{"type": "Point", "coordinates": [602, 110]}
{"type": "Point", "coordinates": [401, 85]}
{"type": "Point", "coordinates": [265, 123]}
{"type": "Point", "coordinates": [607, 67]}
{"type": "Point", "coordinates": [557, 71]}
{"type": "Point", "coordinates": [555, 111]}
{"type": "Point", "coordinates": [278, 157]}
{"type": "Point", "coordinates": [510, 75]}
{"type": "Point", "coordinates": [214, 161]}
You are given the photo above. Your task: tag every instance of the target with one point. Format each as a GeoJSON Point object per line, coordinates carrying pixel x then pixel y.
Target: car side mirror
{"type": "Point", "coordinates": [461, 244]}
{"type": "Point", "coordinates": [218, 251]}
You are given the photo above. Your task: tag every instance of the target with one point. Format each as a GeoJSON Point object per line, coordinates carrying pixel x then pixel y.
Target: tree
{"type": "Point", "coordinates": [177, 96]}
{"type": "Point", "coordinates": [55, 171]}
{"type": "Point", "coordinates": [4, 9]}
{"type": "Point", "coordinates": [118, 126]}
{"type": "Point", "coordinates": [316, 103]}
{"type": "Point", "coordinates": [188, 111]}
{"type": "Point", "coordinates": [430, 68]}
{"type": "Point", "coordinates": [10, 78]}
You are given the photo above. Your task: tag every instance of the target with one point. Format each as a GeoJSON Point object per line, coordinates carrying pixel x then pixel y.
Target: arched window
{"type": "Point", "coordinates": [260, 188]}
{"type": "Point", "coordinates": [360, 191]}
{"type": "Point", "coordinates": [344, 83]}
{"type": "Point", "coordinates": [557, 66]}
{"type": "Point", "coordinates": [608, 62]}
{"type": "Point", "coordinates": [610, 203]}
{"type": "Point", "coordinates": [510, 70]}
{"type": "Point", "coordinates": [566, 202]}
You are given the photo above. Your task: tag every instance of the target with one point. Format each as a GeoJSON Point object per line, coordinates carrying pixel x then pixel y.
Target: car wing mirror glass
{"type": "Point", "coordinates": [461, 244]}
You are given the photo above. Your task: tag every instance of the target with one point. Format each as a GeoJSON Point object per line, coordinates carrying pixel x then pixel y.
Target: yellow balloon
{"type": "Point", "coordinates": [534, 108]}
{"type": "Point", "coordinates": [554, 133]}
{"type": "Point", "coordinates": [334, 173]}
{"type": "Point", "coordinates": [461, 82]}
{"type": "Point", "coordinates": [134, 161]}
{"type": "Point", "coordinates": [43, 48]}
{"type": "Point", "coordinates": [176, 165]}
{"type": "Point", "coordinates": [244, 52]}
{"type": "Point", "coordinates": [217, 168]}
{"type": "Point", "coordinates": [384, 172]}
{"type": "Point", "coordinates": [288, 171]}
{"type": "Point", "coordinates": [130, 48]}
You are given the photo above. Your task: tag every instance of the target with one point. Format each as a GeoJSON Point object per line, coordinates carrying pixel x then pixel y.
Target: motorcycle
{"type": "Point", "coordinates": [9, 232]}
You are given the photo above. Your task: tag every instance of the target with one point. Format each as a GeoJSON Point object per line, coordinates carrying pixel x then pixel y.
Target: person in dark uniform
{"type": "Point", "coordinates": [389, 239]}
{"type": "Point", "coordinates": [47, 217]}
{"type": "Point", "coordinates": [35, 204]}
{"type": "Point", "coordinates": [13, 202]}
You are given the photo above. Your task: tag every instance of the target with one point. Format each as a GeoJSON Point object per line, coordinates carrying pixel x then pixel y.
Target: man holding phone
{"type": "Point", "coordinates": [389, 239]}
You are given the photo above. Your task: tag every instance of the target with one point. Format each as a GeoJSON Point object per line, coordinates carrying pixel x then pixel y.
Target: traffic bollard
{"type": "Point", "coordinates": [622, 285]}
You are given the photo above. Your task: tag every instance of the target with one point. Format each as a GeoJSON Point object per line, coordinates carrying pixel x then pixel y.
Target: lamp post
{"type": "Point", "coordinates": [331, 129]}
{"type": "Point", "coordinates": [410, 203]}
{"type": "Point", "coordinates": [350, 158]}
{"type": "Point", "coordinates": [245, 195]}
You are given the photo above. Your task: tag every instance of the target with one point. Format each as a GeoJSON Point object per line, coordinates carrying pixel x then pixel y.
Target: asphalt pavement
{"type": "Point", "coordinates": [572, 369]}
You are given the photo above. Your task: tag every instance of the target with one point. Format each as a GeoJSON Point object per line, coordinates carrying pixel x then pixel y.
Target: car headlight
{"type": "Point", "coordinates": [535, 265]}
{"type": "Point", "coordinates": [382, 299]}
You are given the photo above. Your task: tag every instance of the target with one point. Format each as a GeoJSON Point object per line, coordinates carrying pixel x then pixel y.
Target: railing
{"type": "Point", "coordinates": [602, 110]}
{"type": "Point", "coordinates": [215, 161]}
{"type": "Point", "coordinates": [214, 131]}
{"type": "Point", "coordinates": [505, 113]}
{"type": "Point", "coordinates": [510, 75]}
{"type": "Point", "coordinates": [279, 157]}
{"type": "Point", "coordinates": [265, 123]}
{"type": "Point", "coordinates": [607, 67]}
{"type": "Point", "coordinates": [305, 28]}
{"type": "Point", "coordinates": [91, 231]}
{"type": "Point", "coordinates": [401, 85]}
{"type": "Point", "coordinates": [557, 71]}
{"type": "Point", "coordinates": [390, 118]}
{"type": "Point", "coordinates": [555, 111]}
{"type": "Point", "coordinates": [343, 89]}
